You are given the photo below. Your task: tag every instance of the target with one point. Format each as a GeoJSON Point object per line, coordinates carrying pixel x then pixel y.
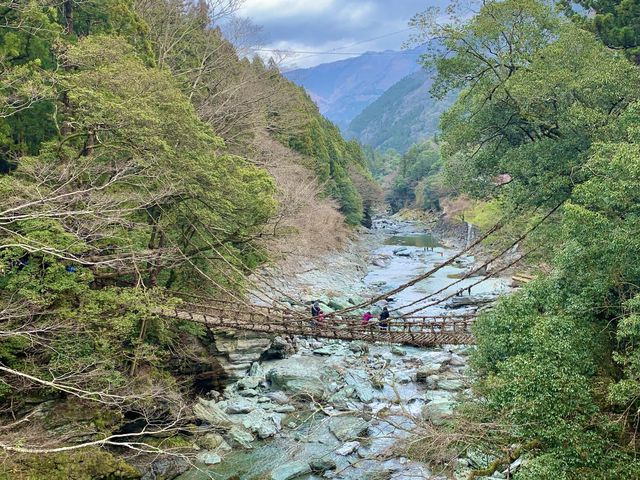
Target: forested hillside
{"type": "Point", "coordinates": [403, 115]}
{"type": "Point", "coordinates": [411, 180]}
{"type": "Point", "coordinates": [140, 156]}
{"type": "Point", "coordinates": [546, 128]}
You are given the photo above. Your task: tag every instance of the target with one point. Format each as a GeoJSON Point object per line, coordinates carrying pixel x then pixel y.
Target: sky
{"type": "Point", "coordinates": [342, 27]}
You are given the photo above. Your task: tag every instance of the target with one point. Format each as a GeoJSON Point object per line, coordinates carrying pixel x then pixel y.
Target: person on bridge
{"type": "Point", "coordinates": [317, 314]}
{"type": "Point", "coordinates": [384, 319]}
{"type": "Point", "coordinates": [366, 317]}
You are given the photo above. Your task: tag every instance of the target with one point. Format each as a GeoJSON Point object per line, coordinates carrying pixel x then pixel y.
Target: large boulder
{"type": "Point", "coordinates": [166, 468]}
{"type": "Point", "coordinates": [329, 350]}
{"type": "Point", "coordinates": [264, 424]}
{"type": "Point", "coordinates": [431, 381]}
{"type": "Point", "coordinates": [256, 369]}
{"type": "Point", "coordinates": [280, 348]}
{"type": "Point", "coordinates": [209, 458]}
{"type": "Point", "coordinates": [359, 380]}
{"type": "Point", "coordinates": [209, 412]}
{"type": "Point", "coordinates": [240, 405]}
{"type": "Point", "coordinates": [438, 411]}
{"type": "Point", "coordinates": [348, 448]}
{"type": "Point", "coordinates": [348, 428]}
{"type": "Point", "coordinates": [299, 375]}
{"type": "Point", "coordinates": [240, 436]}
{"type": "Point", "coordinates": [425, 372]}
{"type": "Point", "coordinates": [450, 384]}
{"type": "Point", "coordinates": [396, 350]}
{"type": "Point", "coordinates": [278, 397]}
{"type": "Point", "coordinates": [250, 382]}
{"type": "Point", "coordinates": [239, 352]}
{"type": "Point", "coordinates": [322, 464]}
{"type": "Point", "coordinates": [290, 470]}
{"type": "Point", "coordinates": [359, 346]}
{"type": "Point", "coordinates": [457, 361]}
{"type": "Point", "coordinates": [211, 441]}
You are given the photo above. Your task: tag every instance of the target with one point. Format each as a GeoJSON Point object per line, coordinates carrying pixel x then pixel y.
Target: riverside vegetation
{"type": "Point", "coordinates": [547, 117]}
{"type": "Point", "coordinates": [142, 156]}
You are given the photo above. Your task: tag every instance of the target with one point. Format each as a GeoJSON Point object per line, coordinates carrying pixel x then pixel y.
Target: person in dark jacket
{"type": "Point", "coordinates": [384, 319]}
{"type": "Point", "coordinates": [317, 314]}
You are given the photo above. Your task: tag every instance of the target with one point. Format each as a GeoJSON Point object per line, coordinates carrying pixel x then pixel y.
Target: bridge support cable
{"type": "Point", "coordinates": [250, 281]}
{"type": "Point", "coordinates": [417, 279]}
{"type": "Point", "coordinates": [204, 274]}
{"type": "Point", "coordinates": [208, 231]}
{"type": "Point", "coordinates": [485, 278]}
{"type": "Point", "coordinates": [495, 228]}
{"type": "Point", "coordinates": [485, 264]}
{"type": "Point", "coordinates": [188, 259]}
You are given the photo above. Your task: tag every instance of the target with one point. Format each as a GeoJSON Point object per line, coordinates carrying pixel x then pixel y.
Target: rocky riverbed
{"type": "Point", "coordinates": [334, 409]}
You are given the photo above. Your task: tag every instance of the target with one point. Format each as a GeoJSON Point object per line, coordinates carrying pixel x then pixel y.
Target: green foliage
{"type": "Point", "coordinates": [381, 163]}
{"type": "Point", "coordinates": [330, 156]}
{"type": "Point", "coordinates": [403, 115]}
{"type": "Point", "coordinates": [614, 21]}
{"type": "Point", "coordinates": [416, 181]}
{"type": "Point", "coordinates": [112, 17]}
{"type": "Point", "coordinates": [547, 107]}
{"type": "Point", "coordinates": [119, 192]}
{"type": "Point", "coordinates": [112, 185]}
{"type": "Point", "coordinates": [26, 54]}
{"type": "Point", "coordinates": [533, 101]}
{"type": "Point", "coordinates": [86, 464]}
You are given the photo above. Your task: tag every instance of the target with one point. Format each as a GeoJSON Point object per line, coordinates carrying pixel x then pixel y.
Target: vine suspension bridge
{"type": "Point", "coordinates": [416, 330]}
{"type": "Point", "coordinates": [408, 328]}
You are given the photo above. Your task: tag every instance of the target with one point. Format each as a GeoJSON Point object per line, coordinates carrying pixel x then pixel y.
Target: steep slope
{"type": "Point", "coordinates": [343, 89]}
{"type": "Point", "coordinates": [404, 115]}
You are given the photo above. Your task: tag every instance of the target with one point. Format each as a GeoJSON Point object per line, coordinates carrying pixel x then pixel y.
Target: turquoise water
{"type": "Point", "coordinates": [423, 240]}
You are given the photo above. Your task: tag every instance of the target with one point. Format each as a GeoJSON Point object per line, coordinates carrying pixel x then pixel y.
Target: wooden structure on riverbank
{"type": "Point", "coordinates": [423, 331]}
{"type": "Point", "coordinates": [520, 279]}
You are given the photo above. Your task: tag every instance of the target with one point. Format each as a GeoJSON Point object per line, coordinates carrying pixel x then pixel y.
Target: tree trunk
{"type": "Point", "coordinates": [68, 16]}
{"type": "Point", "coordinates": [155, 270]}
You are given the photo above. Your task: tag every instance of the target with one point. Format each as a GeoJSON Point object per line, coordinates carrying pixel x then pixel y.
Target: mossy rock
{"type": "Point", "coordinates": [83, 464]}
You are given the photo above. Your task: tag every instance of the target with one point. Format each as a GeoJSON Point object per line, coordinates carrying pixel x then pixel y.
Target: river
{"type": "Point", "coordinates": [338, 409]}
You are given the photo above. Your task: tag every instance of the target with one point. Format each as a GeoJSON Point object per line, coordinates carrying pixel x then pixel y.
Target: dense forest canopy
{"type": "Point", "coordinates": [547, 118]}
{"type": "Point", "coordinates": [143, 156]}
{"type": "Point", "coordinates": [140, 155]}
{"type": "Point", "coordinates": [614, 21]}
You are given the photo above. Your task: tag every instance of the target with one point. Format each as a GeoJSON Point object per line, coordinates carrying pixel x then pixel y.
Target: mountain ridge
{"type": "Point", "coordinates": [344, 88]}
{"type": "Point", "coordinates": [403, 115]}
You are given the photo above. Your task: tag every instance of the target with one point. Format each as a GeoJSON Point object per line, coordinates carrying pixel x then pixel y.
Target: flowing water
{"type": "Point", "coordinates": [401, 260]}
{"type": "Point", "coordinates": [377, 388]}
{"type": "Point", "coordinates": [420, 240]}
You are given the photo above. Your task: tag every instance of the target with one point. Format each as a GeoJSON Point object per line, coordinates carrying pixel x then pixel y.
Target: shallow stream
{"type": "Point", "coordinates": [338, 410]}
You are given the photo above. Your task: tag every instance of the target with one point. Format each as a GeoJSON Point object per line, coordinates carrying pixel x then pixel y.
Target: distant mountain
{"type": "Point", "coordinates": [403, 115]}
{"type": "Point", "coordinates": [345, 88]}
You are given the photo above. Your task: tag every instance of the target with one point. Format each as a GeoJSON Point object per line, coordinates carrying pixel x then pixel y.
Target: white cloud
{"type": "Point", "coordinates": [336, 26]}
{"type": "Point", "coordinates": [358, 13]}
{"type": "Point", "coordinates": [281, 52]}
{"type": "Point", "coordinates": [260, 10]}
